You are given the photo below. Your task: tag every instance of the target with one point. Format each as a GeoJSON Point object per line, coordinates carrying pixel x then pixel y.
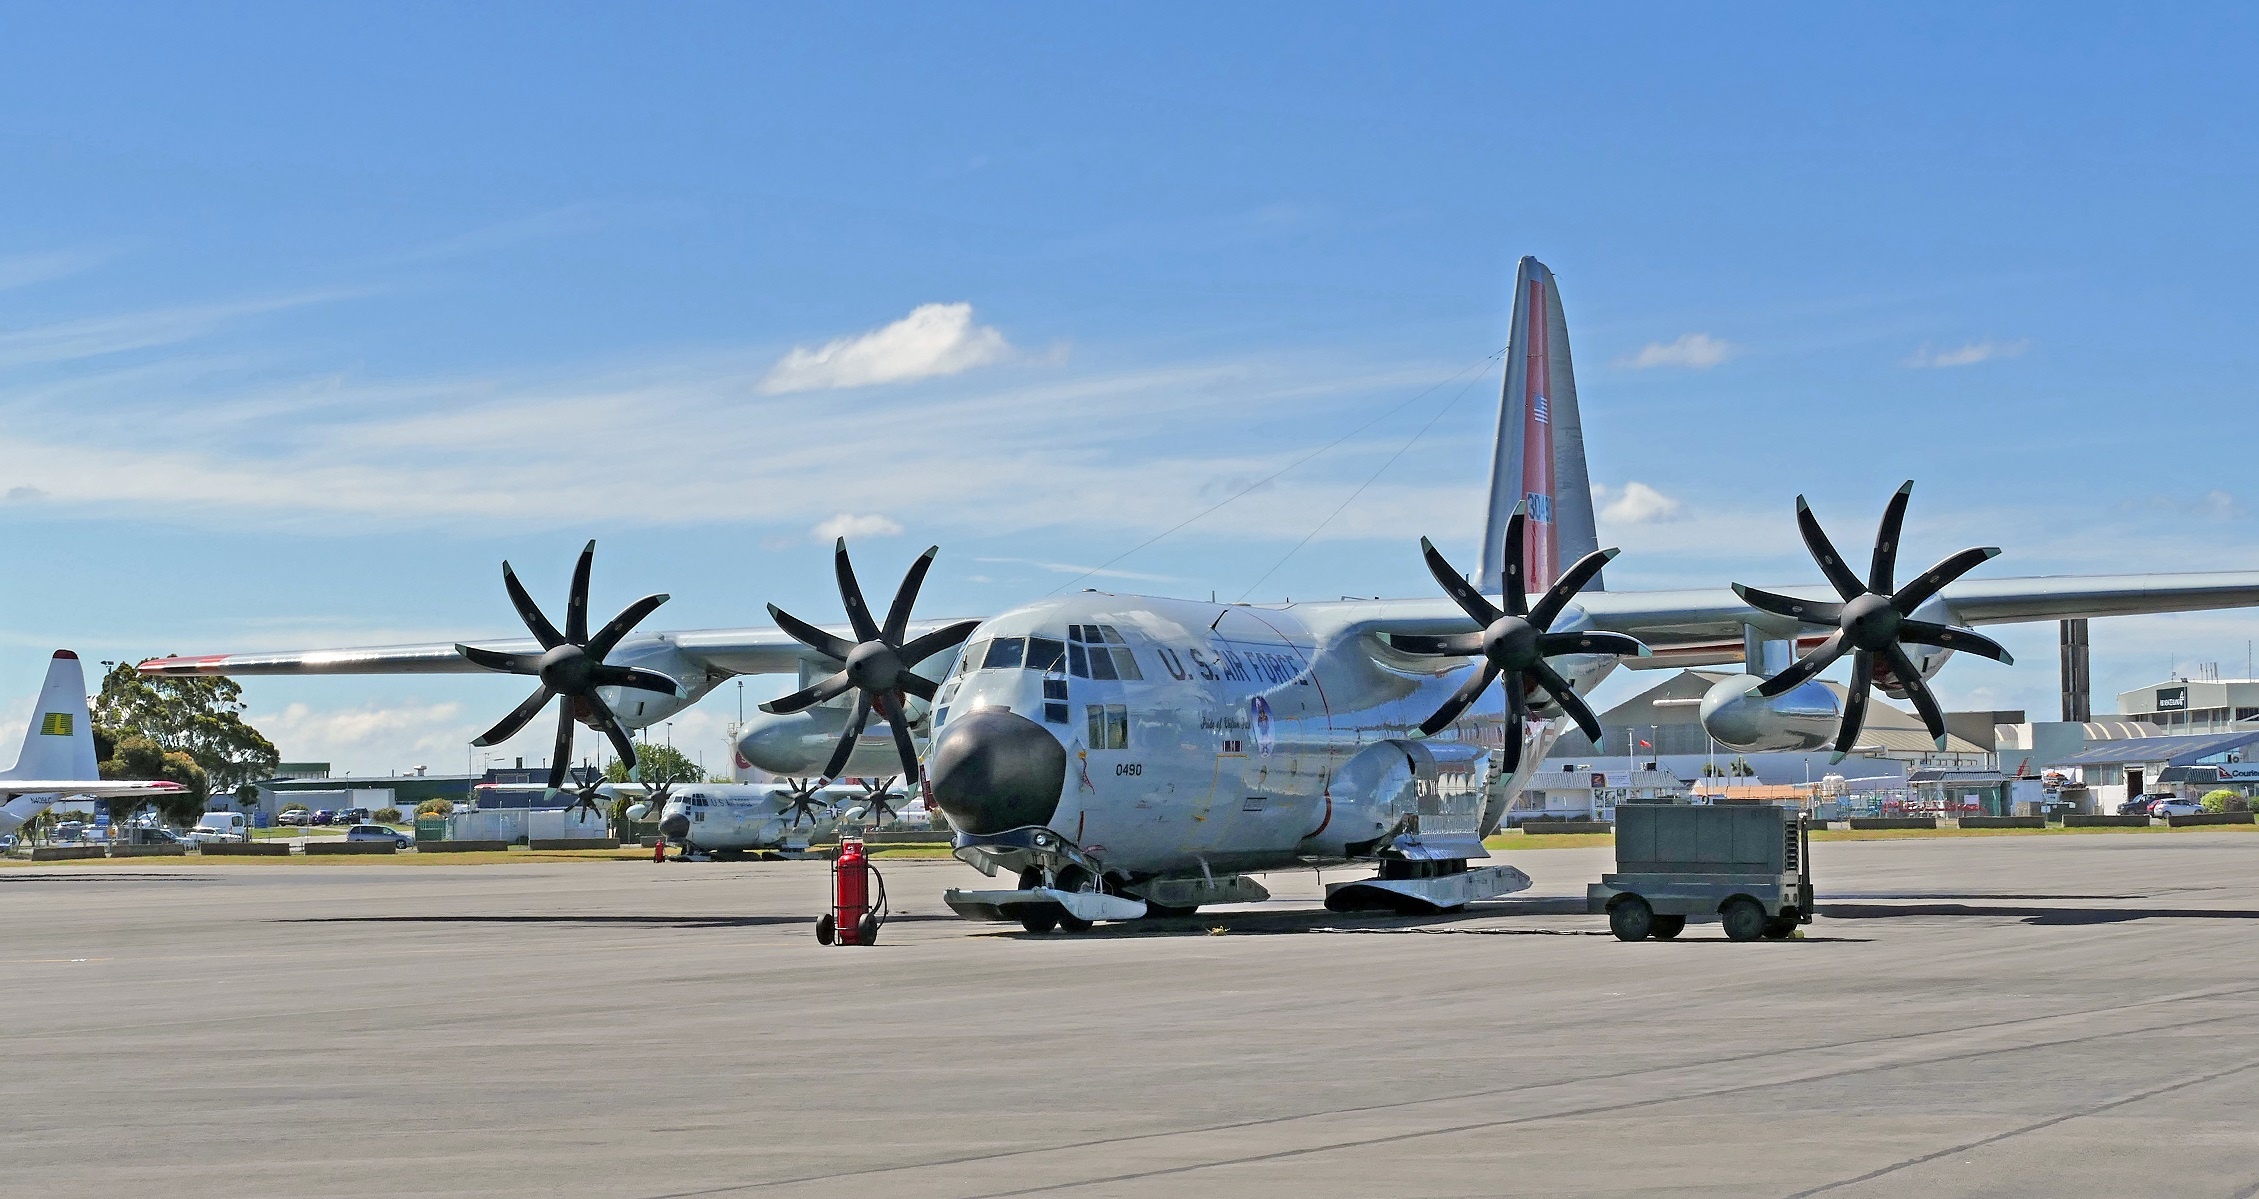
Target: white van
{"type": "Point", "coordinates": [221, 826]}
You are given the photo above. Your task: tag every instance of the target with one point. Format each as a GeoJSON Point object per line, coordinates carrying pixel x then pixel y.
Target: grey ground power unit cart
{"type": "Point", "coordinates": [1748, 866]}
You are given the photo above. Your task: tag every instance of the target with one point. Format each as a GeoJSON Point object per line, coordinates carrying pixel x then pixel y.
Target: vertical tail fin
{"type": "Point", "coordinates": [60, 742]}
{"type": "Point", "coordinates": [1539, 455]}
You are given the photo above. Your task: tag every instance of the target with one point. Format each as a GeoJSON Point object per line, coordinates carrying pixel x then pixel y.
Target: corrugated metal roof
{"type": "Point", "coordinates": [2173, 751]}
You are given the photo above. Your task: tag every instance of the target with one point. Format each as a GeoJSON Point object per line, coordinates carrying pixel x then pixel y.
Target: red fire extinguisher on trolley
{"type": "Point", "coordinates": [858, 898]}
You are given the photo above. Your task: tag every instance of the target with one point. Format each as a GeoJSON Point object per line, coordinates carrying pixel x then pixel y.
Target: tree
{"type": "Point", "coordinates": [386, 816]}
{"type": "Point", "coordinates": [200, 716]}
{"type": "Point", "coordinates": [138, 757]}
{"type": "Point", "coordinates": [432, 809]}
{"type": "Point", "coordinates": [2223, 800]}
{"type": "Point", "coordinates": [655, 764]}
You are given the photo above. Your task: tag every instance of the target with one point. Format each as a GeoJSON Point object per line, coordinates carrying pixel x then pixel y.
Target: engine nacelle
{"type": "Point", "coordinates": [638, 708]}
{"type": "Point", "coordinates": [1804, 718]}
{"type": "Point", "coordinates": [798, 744]}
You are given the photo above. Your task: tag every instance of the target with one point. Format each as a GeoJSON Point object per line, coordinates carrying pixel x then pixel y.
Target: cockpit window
{"type": "Point", "coordinates": [969, 659]}
{"type": "Point", "coordinates": [1046, 654]}
{"type": "Point", "coordinates": [1107, 656]}
{"type": "Point", "coordinates": [1004, 653]}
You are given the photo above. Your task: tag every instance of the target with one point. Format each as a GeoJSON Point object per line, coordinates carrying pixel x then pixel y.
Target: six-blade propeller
{"type": "Point", "coordinates": [570, 666]}
{"type": "Point", "coordinates": [1515, 642]}
{"type": "Point", "coordinates": [1873, 621]}
{"type": "Point", "coordinates": [876, 665]}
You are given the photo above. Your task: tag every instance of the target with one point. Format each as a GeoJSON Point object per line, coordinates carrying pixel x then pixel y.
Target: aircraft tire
{"type": "Point", "coordinates": [1631, 919]}
{"type": "Point", "coordinates": [1744, 920]}
{"type": "Point", "coordinates": [1074, 924]}
{"type": "Point", "coordinates": [1667, 927]}
{"type": "Point", "coordinates": [1039, 922]}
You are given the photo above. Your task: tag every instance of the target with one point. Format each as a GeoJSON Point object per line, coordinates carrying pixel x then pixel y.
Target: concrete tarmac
{"type": "Point", "coordinates": [2008, 1016]}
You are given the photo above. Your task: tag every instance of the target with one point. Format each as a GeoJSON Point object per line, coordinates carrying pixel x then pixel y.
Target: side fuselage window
{"type": "Point", "coordinates": [1106, 725]}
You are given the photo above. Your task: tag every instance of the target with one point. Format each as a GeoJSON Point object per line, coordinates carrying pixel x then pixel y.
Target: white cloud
{"type": "Point", "coordinates": [1636, 504]}
{"type": "Point", "coordinates": [935, 339]}
{"type": "Point", "coordinates": [1968, 355]}
{"type": "Point", "coordinates": [1694, 351]}
{"type": "Point", "coordinates": [23, 270]}
{"type": "Point", "coordinates": [847, 524]}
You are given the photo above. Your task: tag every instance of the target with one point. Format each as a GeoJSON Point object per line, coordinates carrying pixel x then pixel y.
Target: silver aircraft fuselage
{"type": "Point", "coordinates": [1235, 737]}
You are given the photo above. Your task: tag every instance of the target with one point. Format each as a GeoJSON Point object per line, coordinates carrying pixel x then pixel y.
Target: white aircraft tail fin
{"type": "Point", "coordinates": [1539, 456]}
{"type": "Point", "coordinates": [60, 742]}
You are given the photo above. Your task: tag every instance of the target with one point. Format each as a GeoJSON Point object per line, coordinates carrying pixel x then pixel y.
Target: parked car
{"type": "Point", "coordinates": [2138, 806]}
{"type": "Point", "coordinates": [2176, 807]}
{"type": "Point", "coordinates": [378, 832]}
{"type": "Point", "coordinates": [323, 816]}
{"type": "Point", "coordinates": [351, 816]}
{"type": "Point", "coordinates": [69, 830]}
{"type": "Point", "coordinates": [295, 817]}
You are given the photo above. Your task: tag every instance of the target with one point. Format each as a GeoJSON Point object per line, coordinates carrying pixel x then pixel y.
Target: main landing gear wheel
{"type": "Point", "coordinates": [1632, 919]}
{"type": "Point", "coordinates": [1039, 922]}
{"type": "Point", "coordinates": [1074, 924]}
{"type": "Point", "coordinates": [1667, 927]}
{"type": "Point", "coordinates": [1779, 927]}
{"type": "Point", "coordinates": [1744, 920]}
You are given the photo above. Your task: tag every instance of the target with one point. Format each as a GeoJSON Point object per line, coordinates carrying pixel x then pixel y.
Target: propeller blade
{"type": "Point", "coordinates": [918, 685]}
{"type": "Point", "coordinates": [609, 636]}
{"type": "Point", "coordinates": [636, 677]}
{"type": "Point", "coordinates": [902, 743]}
{"type": "Point", "coordinates": [1854, 703]}
{"type": "Point", "coordinates": [906, 596]}
{"type": "Point", "coordinates": [851, 594]}
{"type": "Point", "coordinates": [563, 757]}
{"type": "Point", "coordinates": [920, 648]}
{"type": "Point", "coordinates": [1885, 563]}
{"type": "Point", "coordinates": [1516, 597]}
{"type": "Point", "coordinates": [1472, 602]}
{"type": "Point", "coordinates": [847, 739]}
{"type": "Point", "coordinates": [1816, 540]}
{"type": "Point", "coordinates": [1937, 577]}
{"type": "Point", "coordinates": [1822, 656]}
{"type": "Point", "coordinates": [1570, 701]}
{"type": "Point", "coordinates": [1553, 645]}
{"type": "Point", "coordinates": [808, 697]}
{"type": "Point", "coordinates": [1918, 690]}
{"type": "Point", "coordinates": [811, 636]}
{"type": "Point", "coordinates": [530, 612]}
{"type": "Point", "coordinates": [509, 725]}
{"type": "Point", "coordinates": [576, 600]}
{"type": "Point", "coordinates": [1458, 645]}
{"type": "Point", "coordinates": [1476, 681]}
{"type": "Point", "coordinates": [622, 744]}
{"type": "Point", "coordinates": [496, 660]}
{"type": "Point", "coordinates": [1517, 720]}
{"type": "Point", "coordinates": [1566, 587]}
{"type": "Point", "coordinates": [1808, 611]}
{"type": "Point", "coordinates": [1922, 632]}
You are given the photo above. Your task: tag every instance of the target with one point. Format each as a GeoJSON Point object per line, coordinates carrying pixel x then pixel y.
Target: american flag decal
{"type": "Point", "coordinates": [1541, 411]}
{"type": "Point", "coordinates": [55, 724]}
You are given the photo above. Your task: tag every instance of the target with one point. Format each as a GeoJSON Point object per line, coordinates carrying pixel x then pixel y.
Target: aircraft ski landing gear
{"type": "Point", "coordinates": [1041, 919]}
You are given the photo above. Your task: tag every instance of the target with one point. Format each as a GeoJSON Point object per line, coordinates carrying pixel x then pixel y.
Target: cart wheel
{"type": "Point", "coordinates": [1744, 920]}
{"type": "Point", "coordinates": [866, 930]}
{"type": "Point", "coordinates": [1667, 927]}
{"type": "Point", "coordinates": [1074, 924]}
{"type": "Point", "coordinates": [824, 929]}
{"type": "Point", "coordinates": [1039, 922]}
{"type": "Point", "coordinates": [1631, 919]}
{"type": "Point", "coordinates": [1778, 928]}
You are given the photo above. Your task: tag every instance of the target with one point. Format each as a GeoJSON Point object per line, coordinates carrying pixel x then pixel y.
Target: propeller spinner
{"type": "Point", "coordinates": [1873, 621]}
{"type": "Point", "coordinates": [571, 666]}
{"type": "Point", "coordinates": [878, 662]}
{"type": "Point", "coordinates": [1515, 642]}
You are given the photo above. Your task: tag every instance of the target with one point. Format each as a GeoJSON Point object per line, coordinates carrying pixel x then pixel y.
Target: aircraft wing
{"type": "Point", "coordinates": [721, 652]}
{"type": "Point", "coordinates": [1704, 626]}
{"type": "Point", "coordinates": [91, 788]}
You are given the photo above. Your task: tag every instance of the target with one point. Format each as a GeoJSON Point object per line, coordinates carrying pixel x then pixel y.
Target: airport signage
{"type": "Point", "coordinates": [2172, 699]}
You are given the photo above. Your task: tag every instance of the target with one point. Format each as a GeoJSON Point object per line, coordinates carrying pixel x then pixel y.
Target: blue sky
{"type": "Point", "coordinates": [310, 315]}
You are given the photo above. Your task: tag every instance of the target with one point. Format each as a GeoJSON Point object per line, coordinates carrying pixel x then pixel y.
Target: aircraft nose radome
{"type": "Point", "coordinates": [994, 770]}
{"type": "Point", "coordinates": [675, 826]}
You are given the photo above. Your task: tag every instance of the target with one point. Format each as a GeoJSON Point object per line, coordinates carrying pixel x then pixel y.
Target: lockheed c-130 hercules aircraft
{"type": "Point", "coordinates": [1119, 755]}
